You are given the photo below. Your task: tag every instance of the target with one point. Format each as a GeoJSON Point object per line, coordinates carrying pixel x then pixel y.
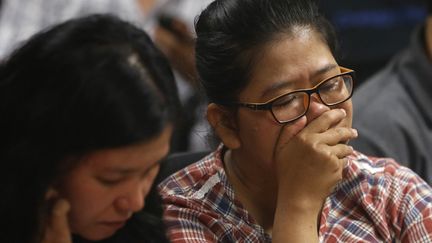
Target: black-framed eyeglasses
{"type": "Point", "coordinates": [295, 104]}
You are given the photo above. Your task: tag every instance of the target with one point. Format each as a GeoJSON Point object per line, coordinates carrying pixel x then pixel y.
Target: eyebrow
{"type": "Point", "coordinates": [286, 83]}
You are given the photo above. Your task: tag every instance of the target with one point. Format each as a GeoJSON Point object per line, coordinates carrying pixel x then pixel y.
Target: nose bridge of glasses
{"type": "Point", "coordinates": [313, 94]}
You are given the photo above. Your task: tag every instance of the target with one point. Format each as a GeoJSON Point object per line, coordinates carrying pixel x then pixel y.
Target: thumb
{"type": "Point", "coordinates": [60, 210]}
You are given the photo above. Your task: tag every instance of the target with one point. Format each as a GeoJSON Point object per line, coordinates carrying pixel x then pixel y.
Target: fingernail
{"type": "Point", "coordinates": [51, 193]}
{"type": "Point", "coordinates": [343, 111]}
{"type": "Point", "coordinates": [355, 132]}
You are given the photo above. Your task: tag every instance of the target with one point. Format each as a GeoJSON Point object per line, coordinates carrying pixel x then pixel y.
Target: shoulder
{"type": "Point", "coordinates": [384, 114]}
{"type": "Point", "coordinates": [190, 179]}
{"type": "Point", "coordinates": [393, 197]}
{"type": "Point", "coordinates": [199, 204]}
{"type": "Point", "coordinates": [383, 184]}
{"type": "Point", "coordinates": [369, 169]}
{"type": "Point", "coordinates": [202, 186]}
{"type": "Point", "coordinates": [384, 199]}
{"type": "Point", "coordinates": [385, 87]}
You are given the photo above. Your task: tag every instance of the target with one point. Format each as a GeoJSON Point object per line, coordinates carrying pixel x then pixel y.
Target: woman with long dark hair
{"type": "Point", "coordinates": [87, 109]}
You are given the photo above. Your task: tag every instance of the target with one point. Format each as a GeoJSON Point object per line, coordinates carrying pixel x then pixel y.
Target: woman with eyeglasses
{"type": "Point", "coordinates": [87, 110]}
{"type": "Point", "coordinates": [280, 103]}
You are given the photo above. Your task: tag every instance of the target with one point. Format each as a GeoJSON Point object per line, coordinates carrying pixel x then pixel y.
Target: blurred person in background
{"type": "Point", "coordinates": [87, 109]}
{"type": "Point", "coordinates": [175, 35]}
{"type": "Point", "coordinates": [169, 22]}
{"type": "Point", "coordinates": [393, 109]}
{"type": "Point", "coordinates": [20, 19]}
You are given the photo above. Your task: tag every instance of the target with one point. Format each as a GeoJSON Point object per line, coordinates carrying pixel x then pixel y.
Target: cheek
{"type": "Point", "coordinates": [85, 212]}
{"type": "Point", "coordinates": [256, 126]}
{"type": "Point", "coordinates": [89, 203]}
{"type": "Point", "coordinates": [259, 135]}
{"type": "Point", "coordinates": [149, 180]}
{"type": "Point", "coordinates": [152, 175]}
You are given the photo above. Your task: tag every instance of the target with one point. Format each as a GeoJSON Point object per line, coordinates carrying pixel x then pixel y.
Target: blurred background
{"type": "Point", "coordinates": [370, 33]}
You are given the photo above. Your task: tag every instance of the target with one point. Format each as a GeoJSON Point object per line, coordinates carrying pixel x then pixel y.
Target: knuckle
{"type": "Point", "coordinates": [329, 116]}
{"type": "Point", "coordinates": [350, 149]}
{"type": "Point", "coordinates": [316, 146]}
{"type": "Point", "coordinates": [302, 138]}
{"type": "Point", "coordinates": [340, 131]}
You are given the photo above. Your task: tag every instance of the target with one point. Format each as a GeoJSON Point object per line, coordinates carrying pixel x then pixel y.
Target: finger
{"type": "Point", "coordinates": [60, 211]}
{"type": "Point", "coordinates": [58, 228]}
{"type": "Point", "coordinates": [51, 197]}
{"type": "Point", "coordinates": [341, 151]}
{"type": "Point", "coordinates": [335, 172]}
{"type": "Point", "coordinates": [51, 194]}
{"type": "Point", "coordinates": [326, 120]}
{"type": "Point", "coordinates": [338, 135]}
{"type": "Point", "coordinates": [290, 130]}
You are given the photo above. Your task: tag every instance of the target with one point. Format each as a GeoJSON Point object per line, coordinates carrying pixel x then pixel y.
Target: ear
{"type": "Point", "coordinates": [223, 122]}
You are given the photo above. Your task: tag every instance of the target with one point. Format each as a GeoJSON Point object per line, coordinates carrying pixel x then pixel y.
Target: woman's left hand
{"type": "Point", "coordinates": [57, 227]}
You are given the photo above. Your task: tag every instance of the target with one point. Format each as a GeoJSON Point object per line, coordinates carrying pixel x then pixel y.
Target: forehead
{"type": "Point", "coordinates": [290, 60]}
{"type": "Point", "coordinates": [131, 157]}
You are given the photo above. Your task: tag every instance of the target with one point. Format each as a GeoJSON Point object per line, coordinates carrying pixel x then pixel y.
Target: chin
{"type": "Point", "coordinates": [95, 237]}
{"type": "Point", "coordinates": [97, 234]}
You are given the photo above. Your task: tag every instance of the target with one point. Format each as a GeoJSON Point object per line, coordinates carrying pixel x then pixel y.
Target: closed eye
{"type": "Point", "coordinates": [288, 100]}
{"type": "Point", "coordinates": [331, 85]}
{"type": "Point", "coordinates": [111, 181]}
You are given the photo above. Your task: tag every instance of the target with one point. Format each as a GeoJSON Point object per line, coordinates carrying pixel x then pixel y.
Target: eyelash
{"type": "Point", "coordinates": [110, 182]}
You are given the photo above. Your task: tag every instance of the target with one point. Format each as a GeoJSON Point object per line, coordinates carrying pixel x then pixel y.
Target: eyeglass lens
{"type": "Point", "coordinates": [294, 105]}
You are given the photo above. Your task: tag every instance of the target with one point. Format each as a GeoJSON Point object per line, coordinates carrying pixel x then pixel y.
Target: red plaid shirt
{"type": "Point", "coordinates": [377, 201]}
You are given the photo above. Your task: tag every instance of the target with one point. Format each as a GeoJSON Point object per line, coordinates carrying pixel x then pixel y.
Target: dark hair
{"type": "Point", "coordinates": [429, 5]}
{"type": "Point", "coordinates": [231, 32]}
{"type": "Point", "coordinates": [86, 84]}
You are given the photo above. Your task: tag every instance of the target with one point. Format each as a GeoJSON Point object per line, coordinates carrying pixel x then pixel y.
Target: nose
{"type": "Point", "coordinates": [132, 201]}
{"type": "Point", "coordinates": [316, 108]}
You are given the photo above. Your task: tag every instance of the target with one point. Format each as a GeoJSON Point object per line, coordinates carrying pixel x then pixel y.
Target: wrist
{"type": "Point", "coordinates": [302, 202]}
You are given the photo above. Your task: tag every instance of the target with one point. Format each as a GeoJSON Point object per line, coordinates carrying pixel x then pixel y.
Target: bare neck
{"type": "Point", "coordinates": [254, 188]}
